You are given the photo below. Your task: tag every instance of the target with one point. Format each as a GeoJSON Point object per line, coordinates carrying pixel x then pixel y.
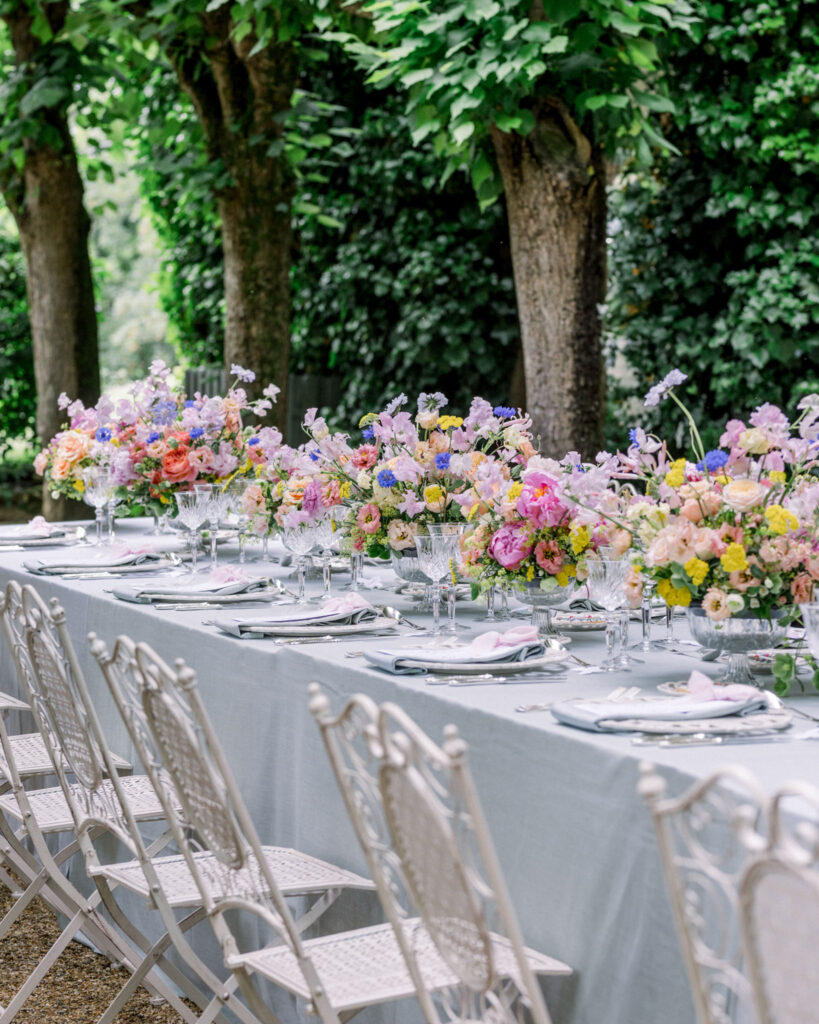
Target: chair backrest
{"type": "Point", "coordinates": [703, 860]}
{"type": "Point", "coordinates": [779, 909]}
{"type": "Point", "coordinates": [177, 743]}
{"type": "Point", "coordinates": [71, 731]}
{"type": "Point", "coordinates": [416, 813]}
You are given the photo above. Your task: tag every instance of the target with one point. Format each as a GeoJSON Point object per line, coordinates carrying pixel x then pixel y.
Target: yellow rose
{"type": "Point", "coordinates": [754, 441]}
{"type": "Point", "coordinates": [733, 559]}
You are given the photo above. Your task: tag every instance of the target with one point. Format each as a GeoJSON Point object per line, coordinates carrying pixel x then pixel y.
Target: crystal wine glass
{"type": "Point", "coordinates": [451, 533]}
{"type": "Point", "coordinates": [810, 617]}
{"type": "Point", "coordinates": [98, 489]}
{"type": "Point", "coordinates": [607, 586]}
{"type": "Point", "coordinates": [434, 557]}
{"type": "Point", "coordinates": [234, 492]}
{"type": "Point", "coordinates": [218, 502]}
{"type": "Point", "coordinates": [300, 541]}
{"type": "Point", "coordinates": [192, 510]}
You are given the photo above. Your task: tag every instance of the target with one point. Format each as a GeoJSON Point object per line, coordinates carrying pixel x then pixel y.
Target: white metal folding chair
{"type": "Point", "coordinates": [87, 801]}
{"type": "Point", "coordinates": [417, 815]}
{"type": "Point", "coordinates": [703, 861]}
{"type": "Point", "coordinates": [779, 908]}
{"type": "Point", "coordinates": [40, 813]}
{"type": "Point", "coordinates": [337, 975]}
{"type": "Point", "coordinates": [168, 879]}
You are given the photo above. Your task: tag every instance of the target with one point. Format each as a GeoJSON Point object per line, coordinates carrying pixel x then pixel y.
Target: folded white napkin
{"type": "Point", "coordinates": [340, 611]}
{"type": "Point", "coordinates": [705, 701]}
{"type": "Point", "coordinates": [223, 582]}
{"type": "Point", "coordinates": [520, 643]}
{"type": "Point", "coordinates": [96, 559]}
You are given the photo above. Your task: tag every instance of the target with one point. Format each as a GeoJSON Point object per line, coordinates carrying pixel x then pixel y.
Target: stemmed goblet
{"type": "Point", "coordinates": [99, 487]}
{"type": "Point", "coordinates": [607, 587]}
{"type": "Point", "coordinates": [192, 510]}
{"type": "Point", "coordinates": [450, 533]}
{"type": "Point", "coordinates": [434, 559]}
{"type": "Point", "coordinates": [300, 541]}
{"type": "Point", "coordinates": [218, 503]}
{"type": "Point", "coordinates": [234, 492]}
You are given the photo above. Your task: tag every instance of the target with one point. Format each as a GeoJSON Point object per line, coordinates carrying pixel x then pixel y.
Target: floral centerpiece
{"type": "Point", "coordinates": [734, 530]}
{"type": "Point", "coordinates": [409, 472]}
{"type": "Point", "coordinates": [157, 440]}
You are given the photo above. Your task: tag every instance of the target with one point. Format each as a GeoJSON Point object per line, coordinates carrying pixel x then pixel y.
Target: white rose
{"type": "Point", "coordinates": [743, 495]}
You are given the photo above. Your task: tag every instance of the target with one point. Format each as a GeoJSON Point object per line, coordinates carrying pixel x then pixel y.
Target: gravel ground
{"type": "Point", "coordinates": [78, 988]}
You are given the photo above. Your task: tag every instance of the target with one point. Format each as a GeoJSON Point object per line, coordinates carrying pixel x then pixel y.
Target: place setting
{"type": "Point", "coordinates": [329, 622]}
{"type": "Point", "coordinates": [39, 533]}
{"type": "Point", "coordinates": [223, 586]}
{"type": "Point", "coordinates": [161, 555]}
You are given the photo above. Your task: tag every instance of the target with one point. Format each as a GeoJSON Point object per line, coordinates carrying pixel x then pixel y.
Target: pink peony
{"type": "Point", "coordinates": [369, 518]}
{"type": "Point", "coordinates": [538, 503]}
{"type": "Point", "coordinates": [365, 456]}
{"type": "Point", "coordinates": [510, 545]}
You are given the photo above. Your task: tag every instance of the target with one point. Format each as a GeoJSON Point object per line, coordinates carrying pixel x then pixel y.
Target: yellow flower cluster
{"type": "Point", "coordinates": [514, 491]}
{"type": "Point", "coordinates": [733, 559]}
{"type": "Point", "coordinates": [580, 538]}
{"type": "Point", "coordinates": [445, 422]}
{"type": "Point", "coordinates": [777, 476]}
{"type": "Point", "coordinates": [78, 486]}
{"type": "Point", "coordinates": [432, 494]}
{"type": "Point", "coordinates": [530, 574]}
{"type": "Point", "coordinates": [780, 520]}
{"type": "Point", "coordinates": [675, 477]}
{"type": "Point", "coordinates": [345, 490]}
{"type": "Point", "coordinates": [674, 595]}
{"type": "Point", "coordinates": [565, 574]}
{"type": "Point", "coordinates": [697, 569]}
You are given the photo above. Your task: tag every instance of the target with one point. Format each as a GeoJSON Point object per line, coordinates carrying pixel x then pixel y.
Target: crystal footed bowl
{"type": "Point", "coordinates": [736, 636]}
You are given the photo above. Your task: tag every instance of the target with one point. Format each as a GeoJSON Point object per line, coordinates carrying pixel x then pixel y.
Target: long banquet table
{"type": "Point", "coordinates": [574, 839]}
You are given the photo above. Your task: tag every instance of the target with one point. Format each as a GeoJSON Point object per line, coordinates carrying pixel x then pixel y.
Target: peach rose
{"type": "Point", "coordinates": [176, 466]}
{"type": "Point", "coordinates": [40, 463]}
{"type": "Point", "coordinates": [743, 495]}
{"type": "Point", "coordinates": [73, 446]}
{"type": "Point", "coordinates": [60, 468]}
{"type": "Point", "coordinates": [802, 588]}
{"type": "Point", "coordinates": [691, 510]}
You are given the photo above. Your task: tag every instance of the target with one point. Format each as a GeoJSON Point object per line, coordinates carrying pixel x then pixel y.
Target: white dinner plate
{"type": "Point", "coordinates": [549, 660]}
{"type": "Point", "coordinates": [381, 623]}
{"type": "Point", "coordinates": [730, 725]}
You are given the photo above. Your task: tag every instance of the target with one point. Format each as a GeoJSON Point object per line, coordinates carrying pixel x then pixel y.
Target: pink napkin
{"type": "Point", "coordinates": [699, 685]}
{"type": "Point", "coordinates": [348, 603]}
{"type": "Point", "coordinates": [225, 574]}
{"type": "Point", "coordinates": [122, 549]}
{"type": "Point", "coordinates": [511, 638]}
{"type": "Point", "coordinates": [40, 526]}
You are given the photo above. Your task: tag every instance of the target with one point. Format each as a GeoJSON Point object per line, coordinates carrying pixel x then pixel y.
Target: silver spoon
{"type": "Point", "coordinates": [393, 613]}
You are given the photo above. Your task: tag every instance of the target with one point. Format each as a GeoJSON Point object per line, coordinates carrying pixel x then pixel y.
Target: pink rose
{"type": "Point", "coordinates": [369, 518]}
{"type": "Point", "coordinates": [510, 545]}
{"type": "Point", "coordinates": [176, 466]}
{"type": "Point", "coordinates": [40, 463]}
{"type": "Point", "coordinates": [743, 495]}
{"type": "Point", "coordinates": [691, 510]}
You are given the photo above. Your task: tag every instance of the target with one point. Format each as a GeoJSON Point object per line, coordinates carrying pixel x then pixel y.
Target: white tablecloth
{"type": "Point", "coordinates": [573, 837]}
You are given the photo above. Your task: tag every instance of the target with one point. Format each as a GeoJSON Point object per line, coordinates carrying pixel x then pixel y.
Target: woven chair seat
{"type": "Point", "coordinates": [31, 756]}
{"type": "Point", "coordinates": [365, 967]}
{"type": "Point", "coordinates": [296, 873]}
{"type": "Point", "coordinates": [9, 703]}
{"type": "Point", "coordinates": [50, 808]}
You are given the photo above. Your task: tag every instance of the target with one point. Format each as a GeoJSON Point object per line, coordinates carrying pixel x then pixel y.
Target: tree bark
{"type": "Point", "coordinates": [241, 101]}
{"type": "Point", "coordinates": [47, 203]}
{"type": "Point", "coordinates": [555, 186]}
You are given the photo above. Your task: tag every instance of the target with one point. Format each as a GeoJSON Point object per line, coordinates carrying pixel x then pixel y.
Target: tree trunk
{"type": "Point", "coordinates": [554, 180]}
{"type": "Point", "coordinates": [47, 203]}
{"type": "Point", "coordinates": [256, 239]}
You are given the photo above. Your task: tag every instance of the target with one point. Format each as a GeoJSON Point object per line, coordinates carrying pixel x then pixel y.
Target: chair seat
{"type": "Point", "coordinates": [295, 873]}
{"type": "Point", "coordinates": [31, 756]}
{"type": "Point", "coordinates": [365, 967]}
{"type": "Point", "coordinates": [9, 703]}
{"type": "Point", "coordinates": [51, 811]}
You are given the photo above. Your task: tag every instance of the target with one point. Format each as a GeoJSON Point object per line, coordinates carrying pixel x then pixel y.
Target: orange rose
{"type": "Point", "coordinates": [73, 446]}
{"type": "Point", "coordinates": [60, 469]}
{"type": "Point", "coordinates": [176, 467]}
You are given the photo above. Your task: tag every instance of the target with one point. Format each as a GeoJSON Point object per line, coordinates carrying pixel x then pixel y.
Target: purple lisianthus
{"type": "Point", "coordinates": [311, 499]}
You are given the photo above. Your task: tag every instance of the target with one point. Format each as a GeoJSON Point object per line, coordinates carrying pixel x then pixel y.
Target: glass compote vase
{"type": "Point", "coordinates": [737, 635]}
{"type": "Point", "coordinates": [407, 567]}
{"type": "Point", "coordinates": [543, 604]}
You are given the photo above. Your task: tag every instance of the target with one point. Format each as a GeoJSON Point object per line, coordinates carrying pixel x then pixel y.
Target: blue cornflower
{"type": "Point", "coordinates": [581, 467]}
{"type": "Point", "coordinates": [505, 412]}
{"type": "Point", "coordinates": [442, 460]}
{"type": "Point", "coordinates": [152, 437]}
{"type": "Point", "coordinates": [367, 434]}
{"type": "Point", "coordinates": [189, 404]}
{"type": "Point", "coordinates": [714, 460]}
{"type": "Point", "coordinates": [196, 432]}
{"type": "Point", "coordinates": [164, 412]}
{"type": "Point", "coordinates": [103, 434]}
{"type": "Point", "coordinates": [314, 456]}
{"type": "Point", "coordinates": [386, 478]}
{"type": "Point", "coordinates": [632, 435]}
{"type": "Point", "coordinates": [252, 440]}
